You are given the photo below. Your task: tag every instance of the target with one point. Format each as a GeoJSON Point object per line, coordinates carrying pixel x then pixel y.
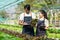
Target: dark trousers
{"type": "Point", "coordinates": [27, 29]}
{"type": "Point", "coordinates": [40, 32]}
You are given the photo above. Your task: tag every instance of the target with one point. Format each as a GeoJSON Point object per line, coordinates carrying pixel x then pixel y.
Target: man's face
{"type": "Point", "coordinates": [26, 10]}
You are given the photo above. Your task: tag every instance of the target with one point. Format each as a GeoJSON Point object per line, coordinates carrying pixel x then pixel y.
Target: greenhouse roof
{"type": "Point", "coordinates": [7, 3]}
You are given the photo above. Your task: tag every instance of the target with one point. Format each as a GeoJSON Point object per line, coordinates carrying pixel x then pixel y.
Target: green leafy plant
{"type": "Point", "coordinates": [53, 30]}
{"type": "Point", "coordinates": [4, 36]}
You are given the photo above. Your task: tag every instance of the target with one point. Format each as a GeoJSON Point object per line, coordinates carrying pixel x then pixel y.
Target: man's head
{"type": "Point", "coordinates": [27, 8]}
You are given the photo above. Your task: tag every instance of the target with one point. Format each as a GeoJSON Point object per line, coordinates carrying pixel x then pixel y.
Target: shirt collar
{"type": "Point", "coordinates": [41, 18]}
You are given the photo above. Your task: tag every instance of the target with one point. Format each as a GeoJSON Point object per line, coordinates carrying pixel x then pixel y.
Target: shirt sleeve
{"type": "Point", "coordinates": [21, 17]}
{"type": "Point", "coordinates": [46, 23]}
{"type": "Point", "coordinates": [33, 16]}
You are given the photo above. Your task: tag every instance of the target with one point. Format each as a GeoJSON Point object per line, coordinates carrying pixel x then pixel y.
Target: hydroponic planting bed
{"type": "Point", "coordinates": [12, 29]}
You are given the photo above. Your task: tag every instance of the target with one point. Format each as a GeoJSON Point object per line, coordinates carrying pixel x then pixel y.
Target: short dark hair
{"type": "Point", "coordinates": [44, 13]}
{"type": "Point", "coordinates": [27, 6]}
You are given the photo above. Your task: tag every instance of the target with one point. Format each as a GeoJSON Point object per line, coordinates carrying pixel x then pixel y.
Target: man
{"type": "Point", "coordinates": [25, 20]}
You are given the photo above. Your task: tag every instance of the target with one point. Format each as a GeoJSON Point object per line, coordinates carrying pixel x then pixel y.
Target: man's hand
{"type": "Point", "coordinates": [25, 23]}
{"type": "Point", "coordinates": [20, 22]}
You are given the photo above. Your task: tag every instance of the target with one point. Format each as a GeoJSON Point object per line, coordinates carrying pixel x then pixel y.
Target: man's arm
{"type": "Point", "coordinates": [21, 18]}
{"type": "Point", "coordinates": [22, 22]}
